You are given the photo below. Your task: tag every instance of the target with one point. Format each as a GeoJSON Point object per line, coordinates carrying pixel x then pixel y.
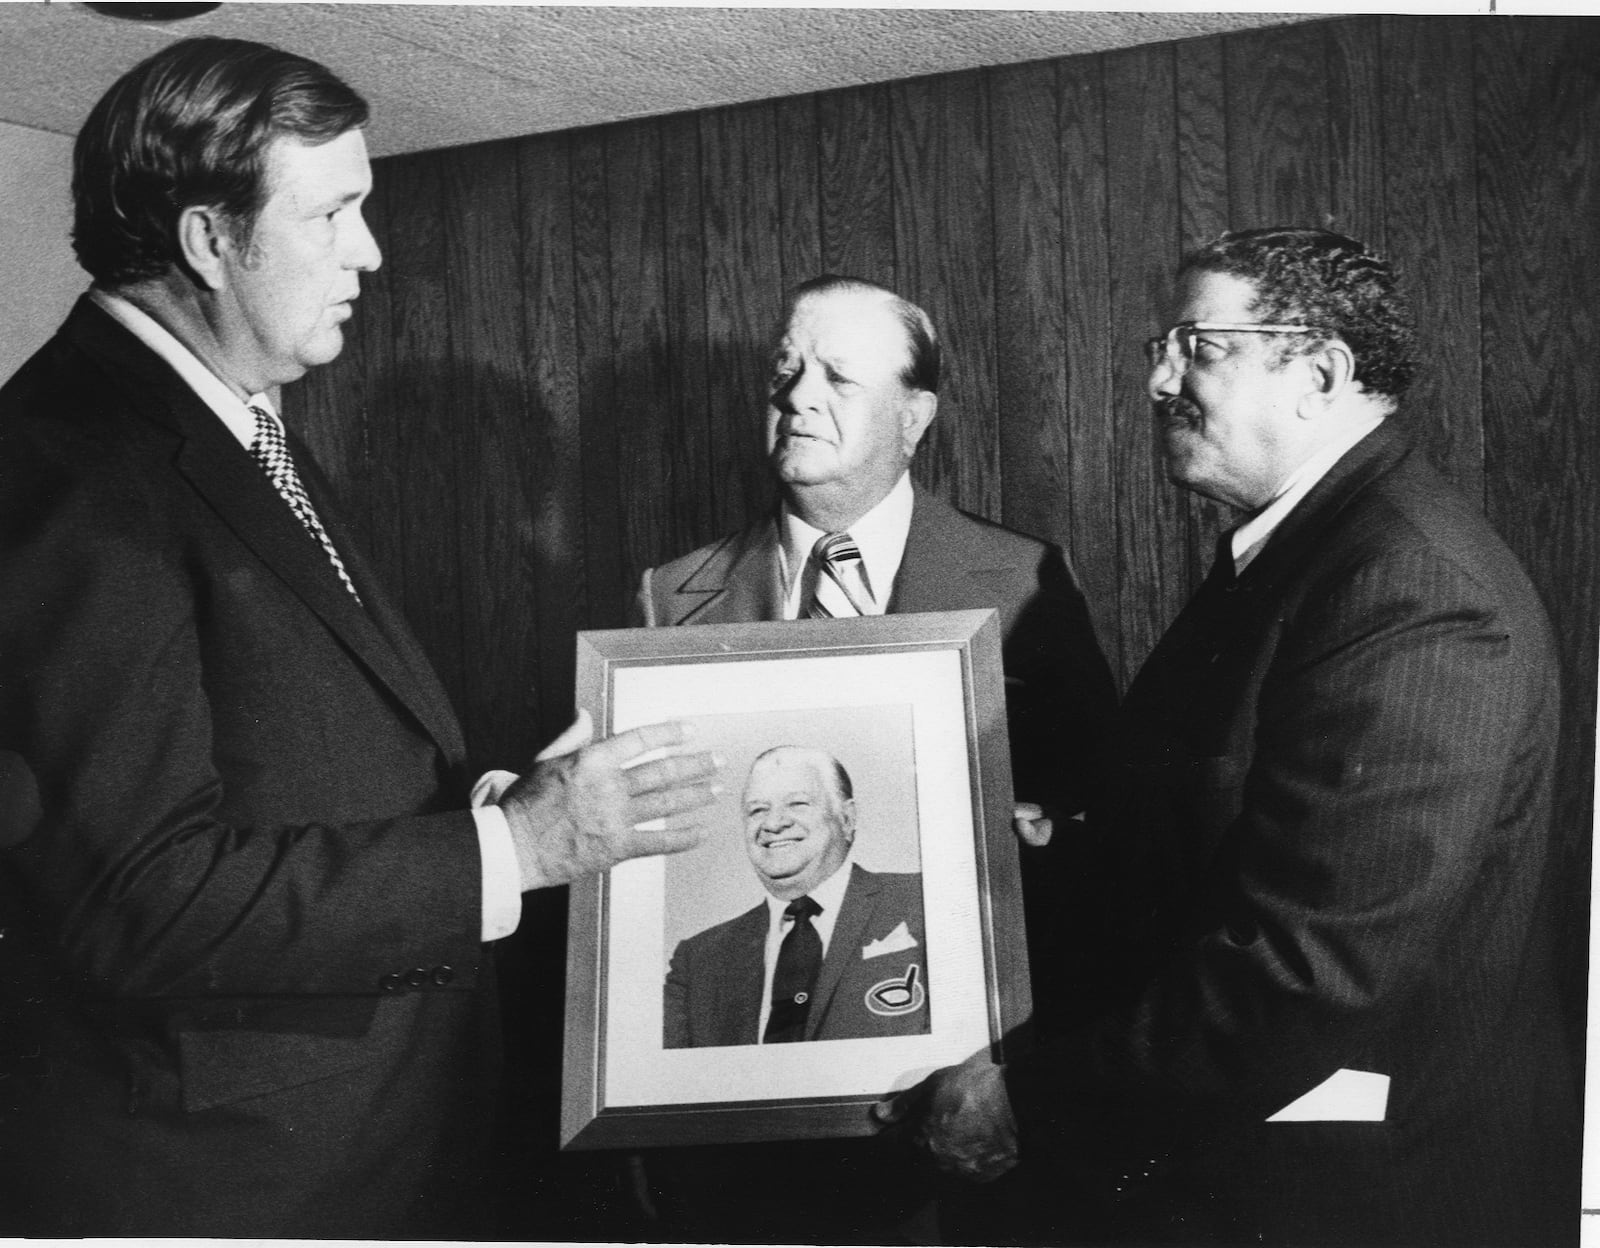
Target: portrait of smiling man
{"type": "Point", "coordinates": [834, 952]}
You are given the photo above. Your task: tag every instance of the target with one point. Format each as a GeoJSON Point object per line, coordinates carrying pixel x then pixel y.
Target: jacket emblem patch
{"type": "Point", "coordinates": [904, 994]}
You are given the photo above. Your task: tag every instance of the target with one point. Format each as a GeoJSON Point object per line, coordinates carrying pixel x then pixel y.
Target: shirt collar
{"type": "Point", "coordinates": [1251, 536]}
{"type": "Point", "coordinates": [233, 411]}
{"type": "Point", "coordinates": [829, 895]}
{"type": "Point", "coordinates": [880, 535]}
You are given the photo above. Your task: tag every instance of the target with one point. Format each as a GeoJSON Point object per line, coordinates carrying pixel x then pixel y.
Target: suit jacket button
{"type": "Point", "coordinates": [442, 975]}
{"type": "Point", "coordinates": [800, 998]}
{"type": "Point", "coordinates": [391, 983]}
{"type": "Point", "coordinates": [416, 977]}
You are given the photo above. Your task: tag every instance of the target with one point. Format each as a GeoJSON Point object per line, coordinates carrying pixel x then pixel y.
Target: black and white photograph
{"type": "Point", "coordinates": [784, 969]}
{"type": "Point", "coordinates": [799, 624]}
{"type": "Point", "coordinates": [820, 857]}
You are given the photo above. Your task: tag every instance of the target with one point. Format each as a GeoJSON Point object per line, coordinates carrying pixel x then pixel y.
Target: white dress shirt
{"type": "Point", "coordinates": [502, 881]}
{"type": "Point", "coordinates": [1250, 537]}
{"type": "Point", "coordinates": [829, 895]}
{"type": "Point", "coordinates": [880, 535]}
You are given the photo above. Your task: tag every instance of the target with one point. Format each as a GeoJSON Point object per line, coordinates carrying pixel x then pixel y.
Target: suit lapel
{"type": "Point", "coordinates": [739, 582]}
{"type": "Point", "coordinates": [940, 571]}
{"type": "Point", "coordinates": [427, 698]}
{"type": "Point", "coordinates": [222, 472]}
{"type": "Point", "coordinates": [844, 946]}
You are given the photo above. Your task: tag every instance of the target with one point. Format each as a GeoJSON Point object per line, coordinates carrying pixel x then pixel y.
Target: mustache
{"type": "Point", "coordinates": [1175, 407]}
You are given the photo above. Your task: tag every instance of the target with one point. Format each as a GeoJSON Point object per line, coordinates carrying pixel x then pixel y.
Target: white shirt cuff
{"type": "Point", "coordinates": [502, 878]}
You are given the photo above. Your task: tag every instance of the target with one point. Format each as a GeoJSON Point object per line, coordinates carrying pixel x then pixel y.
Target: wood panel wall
{"type": "Point", "coordinates": [556, 379]}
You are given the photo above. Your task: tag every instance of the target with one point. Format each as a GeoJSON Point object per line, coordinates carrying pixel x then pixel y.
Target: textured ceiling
{"type": "Point", "coordinates": [438, 75]}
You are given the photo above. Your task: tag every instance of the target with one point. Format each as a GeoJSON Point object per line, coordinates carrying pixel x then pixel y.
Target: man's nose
{"type": "Point", "coordinates": [805, 389]}
{"type": "Point", "coordinates": [782, 396]}
{"type": "Point", "coordinates": [1164, 380]}
{"type": "Point", "coordinates": [364, 254]}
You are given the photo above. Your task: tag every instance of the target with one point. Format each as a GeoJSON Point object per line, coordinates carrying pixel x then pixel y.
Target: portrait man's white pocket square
{"type": "Point", "coordinates": [894, 942]}
{"type": "Point", "coordinates": [1344, 1096]}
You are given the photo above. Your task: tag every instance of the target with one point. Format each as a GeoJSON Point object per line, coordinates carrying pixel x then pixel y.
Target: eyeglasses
{"type": "Point", "coordinates": [1177, 345]}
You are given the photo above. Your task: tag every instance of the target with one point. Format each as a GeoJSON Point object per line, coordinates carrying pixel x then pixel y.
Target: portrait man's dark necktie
{"type": "Point", "coordinates": [841, 586]}
{"type": "Point", "coordinates": [271, 451]}
{"type": "Point", "coordinates": [794, 978]}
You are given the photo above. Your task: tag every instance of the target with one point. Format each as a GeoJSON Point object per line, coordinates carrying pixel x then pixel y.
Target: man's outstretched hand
{"type": "Point", "coordinates": [960, 1117]}
{"type": "Point", "coordinates": [586, 807]}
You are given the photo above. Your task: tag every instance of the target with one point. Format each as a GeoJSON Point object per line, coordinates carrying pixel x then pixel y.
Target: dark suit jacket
{"type": "Point", "coordinates": [713, 989]}
{"type": "Point", "coordinates": [1059, 690]}
{"type": "Point", "coordinates": [246, 993]}
{"type": "Point", "coordinates": [1329, 836]}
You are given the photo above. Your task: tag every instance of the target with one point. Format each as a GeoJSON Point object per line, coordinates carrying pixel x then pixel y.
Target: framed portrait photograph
{"type": "Point", "coordinates": [851, 922]}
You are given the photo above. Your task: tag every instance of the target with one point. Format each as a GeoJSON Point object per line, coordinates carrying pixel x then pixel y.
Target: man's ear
{"type": "Point", "coordinates": [1332, 369]}
{"type": "Point", "coordinates": [203, 241]}
{"type": "Point", "coordinates": [918, 413]}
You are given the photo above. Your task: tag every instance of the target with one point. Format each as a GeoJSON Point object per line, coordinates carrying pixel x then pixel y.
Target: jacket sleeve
{"type": "Point", "coordinates": [675, 1026]}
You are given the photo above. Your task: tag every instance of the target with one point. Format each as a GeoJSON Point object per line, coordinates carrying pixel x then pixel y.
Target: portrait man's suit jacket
{"type": "Point", "coordinates": [713, 989]}
{"type": "Point", "coordinates": [246, 990]}
{"type": "Point", "coordinates": [1328, 848]}
{"type": "Point", "coordinates": [1059, 690]}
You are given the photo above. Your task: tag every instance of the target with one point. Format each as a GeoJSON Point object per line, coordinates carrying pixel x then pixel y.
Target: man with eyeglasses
{"type": "Point", "coordinates": [1328, 1013]}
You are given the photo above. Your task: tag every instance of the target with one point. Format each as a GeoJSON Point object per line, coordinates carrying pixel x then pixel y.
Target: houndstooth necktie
{"type": "Point", "coordinates": [272, 453]}
{"type": "Point", "coordinates": [841, 588]}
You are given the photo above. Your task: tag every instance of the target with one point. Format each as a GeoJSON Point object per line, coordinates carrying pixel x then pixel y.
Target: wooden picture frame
{"type": "Point", "coordinates": [914, 706]}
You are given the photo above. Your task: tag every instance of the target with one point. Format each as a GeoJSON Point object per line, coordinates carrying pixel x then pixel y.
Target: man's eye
{"type": "Point", "coordinates": [1208, 349]}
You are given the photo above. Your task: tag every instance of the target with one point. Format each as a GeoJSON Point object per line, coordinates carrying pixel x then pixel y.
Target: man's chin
{"type": "Point", "coordinates": [327, 347]}
{"type": "Point", "coordinates": [813, 464]}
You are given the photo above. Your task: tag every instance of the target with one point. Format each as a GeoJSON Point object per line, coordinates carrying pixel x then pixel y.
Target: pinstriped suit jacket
{"type": "Point", "coordinates": [1328, 845]}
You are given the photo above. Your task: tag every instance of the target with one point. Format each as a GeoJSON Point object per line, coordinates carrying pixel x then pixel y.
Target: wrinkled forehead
{"type": "Point", "coordinates": [847, 325]}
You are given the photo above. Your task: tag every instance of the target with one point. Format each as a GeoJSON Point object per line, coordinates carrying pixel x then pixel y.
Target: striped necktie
{"type": "Point", "coordinates": [271, 451]}
{"type": "Point", "coordinates": [841, 588]}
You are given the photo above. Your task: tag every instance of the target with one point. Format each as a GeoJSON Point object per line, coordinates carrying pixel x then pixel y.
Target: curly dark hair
{"type": "Point", "coordinates": [191, 125]}
{"type": "Point", "coordinates": [1321, 278]}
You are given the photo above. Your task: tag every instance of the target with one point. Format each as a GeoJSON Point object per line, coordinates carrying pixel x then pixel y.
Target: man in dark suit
{"type": "Point", "coordinates": [850, 939]}
{"type": "Point", "coordinates": [1329, 1014]}
{"type": "Point", "coordinates": [246, 989]}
